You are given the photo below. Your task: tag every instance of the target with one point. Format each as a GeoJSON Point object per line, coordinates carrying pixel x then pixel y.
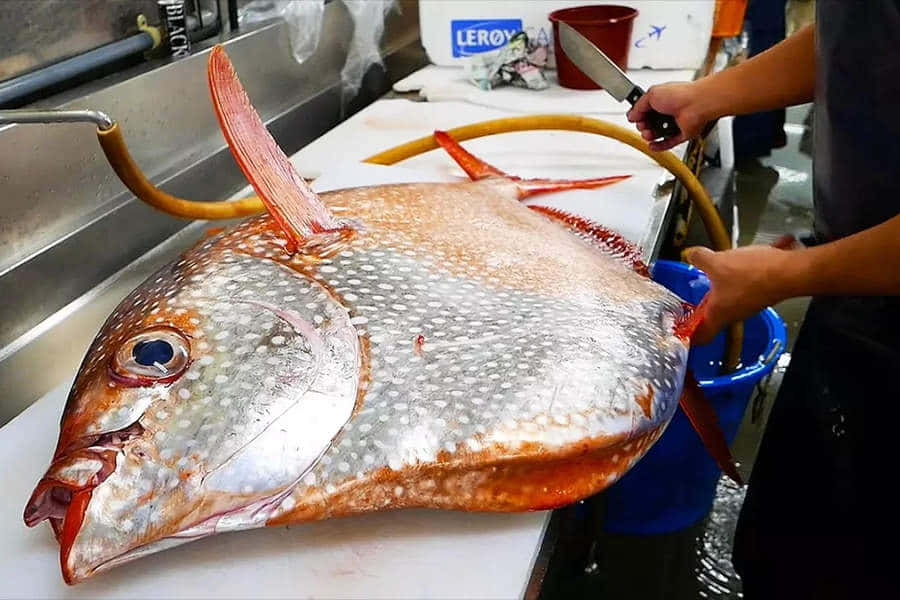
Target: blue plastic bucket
{"type": "Point", "coordinates": [674, 485]}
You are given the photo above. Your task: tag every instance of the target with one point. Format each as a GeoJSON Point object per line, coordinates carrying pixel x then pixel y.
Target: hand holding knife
{"type": "Point", "coordinates": [604, 72]}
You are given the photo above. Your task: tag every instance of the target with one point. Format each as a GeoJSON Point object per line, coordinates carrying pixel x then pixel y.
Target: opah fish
{"type": "Point", "coordinates": [432, 345]}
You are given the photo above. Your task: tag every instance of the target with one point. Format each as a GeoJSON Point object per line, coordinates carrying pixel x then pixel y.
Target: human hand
{"type": "Point", "coordinates": [683, 101]}
{"type": "Point", "coordinates": [742, 282]}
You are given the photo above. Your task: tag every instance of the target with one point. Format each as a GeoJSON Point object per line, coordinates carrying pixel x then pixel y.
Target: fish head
{"type": "Point", "coordinates": [204, 398]}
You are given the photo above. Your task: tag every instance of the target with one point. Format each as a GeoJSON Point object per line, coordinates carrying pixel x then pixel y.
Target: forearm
{"type": "Point", "coordinates": [783, 75]}
{"type": "Point", "coordinates": [867, 263]}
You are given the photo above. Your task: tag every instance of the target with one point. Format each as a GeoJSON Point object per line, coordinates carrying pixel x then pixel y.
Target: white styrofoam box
{"type": "Point", "coordinates": [667, 34]}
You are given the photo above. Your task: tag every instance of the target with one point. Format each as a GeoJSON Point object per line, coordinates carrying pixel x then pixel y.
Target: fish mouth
{"type": "Point", "coordinates": [63, 493]}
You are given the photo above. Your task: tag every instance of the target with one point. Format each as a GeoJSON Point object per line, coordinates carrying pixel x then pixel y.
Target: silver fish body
{"type": "Point", "coordinates": [460, 351]}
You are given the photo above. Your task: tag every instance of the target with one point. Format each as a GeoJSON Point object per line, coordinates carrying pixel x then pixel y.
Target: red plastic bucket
{"type": "Point", "coordinates": [606, 25]}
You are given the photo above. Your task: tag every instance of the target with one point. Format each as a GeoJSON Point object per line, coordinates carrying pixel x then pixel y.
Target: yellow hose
{"type": "Point", "coordinates": [120, 160]}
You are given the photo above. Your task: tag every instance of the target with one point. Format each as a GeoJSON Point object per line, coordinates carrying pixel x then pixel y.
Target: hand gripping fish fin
{"type": "Point", "coordinates": [691, 319]}
{"type": "Point", "coordinates": [287, 197]}
{"type": "Point", "coordinates": [477, 169]}
{"type": "Point", "coordinates": [705, 422]}
{"type": "Point", "coordinates": [598, 236]}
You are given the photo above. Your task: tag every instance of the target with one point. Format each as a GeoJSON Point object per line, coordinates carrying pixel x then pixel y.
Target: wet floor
{"type": "Point", "coordinates": [774, 196]}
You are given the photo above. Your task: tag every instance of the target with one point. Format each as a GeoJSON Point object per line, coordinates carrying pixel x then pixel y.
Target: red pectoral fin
{"type": "Point", "coordinates": [474, 167]}
{"type": "Point", "coordinates": [705, 422]}
{"type": "Point", "coordinates": [688, 323]}
{"type": "Point", "coordinates": [477, 169]}
{"type": "Point", "coordinates": [290, 201]}
{"type": "Point", "coordinates": [533, 187]}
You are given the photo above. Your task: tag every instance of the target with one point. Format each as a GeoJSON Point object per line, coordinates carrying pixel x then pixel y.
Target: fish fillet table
{"type": "Point", "coordinates": [402, 554]}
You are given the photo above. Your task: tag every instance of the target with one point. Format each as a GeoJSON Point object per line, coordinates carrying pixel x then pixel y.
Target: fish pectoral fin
{"type": "Point", "coordinates": [690, 320]}
{"type": "Point", "coordinates": [705, 422]}
{"type": "Point", "coordinates": [533, 187]}
{"type": "Point", "coordinates": [290, 201]}
{"type": "Point", "coordinates": [474, 167]}
{"type": "Point", "coordinates": [477, 169]}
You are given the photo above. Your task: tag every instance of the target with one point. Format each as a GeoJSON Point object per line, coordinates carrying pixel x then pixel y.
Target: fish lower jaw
{"type": "Point", "coordinates": [252, 515]}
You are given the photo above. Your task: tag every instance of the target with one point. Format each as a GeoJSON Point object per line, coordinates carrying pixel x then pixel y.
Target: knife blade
{"type": "Point", "coordinates": [604, 72]}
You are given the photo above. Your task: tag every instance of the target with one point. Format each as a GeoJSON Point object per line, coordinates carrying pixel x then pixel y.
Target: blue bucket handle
{"type": "Point", "coordinates": [774, 347]}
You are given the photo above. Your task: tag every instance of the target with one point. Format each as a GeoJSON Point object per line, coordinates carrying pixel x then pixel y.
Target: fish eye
{"type": "Point", "coordinates": [154, 355]}
{"type": "Point", "coordinates": [150, 352]}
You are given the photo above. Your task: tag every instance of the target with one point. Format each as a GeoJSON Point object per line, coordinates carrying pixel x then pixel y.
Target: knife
{"type": "Point", "coordinates": [604, 72]}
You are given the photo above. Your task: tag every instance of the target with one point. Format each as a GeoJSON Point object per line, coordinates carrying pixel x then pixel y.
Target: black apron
{"type": "Point", "coordinates": [803, 528]}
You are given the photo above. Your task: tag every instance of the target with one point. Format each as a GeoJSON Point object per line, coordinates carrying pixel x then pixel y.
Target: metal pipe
{"type": "Point", "coordinates": [19, 88]}
{"type": "Point", "coordinates": [24, 115]}
{"type": "Point", "coordinates": [233, 15]}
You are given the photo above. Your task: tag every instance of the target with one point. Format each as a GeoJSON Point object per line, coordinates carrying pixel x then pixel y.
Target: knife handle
{"type": "Point", "coordinates": [662, 126]}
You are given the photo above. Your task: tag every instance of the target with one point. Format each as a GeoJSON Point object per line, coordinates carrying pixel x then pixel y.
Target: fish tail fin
{"type": "Point", "coordinates": [478, 169]}
{"type": "Point", "coordinates": [291, 202]}
{"type": "Point", "coordinates": [705, 422]}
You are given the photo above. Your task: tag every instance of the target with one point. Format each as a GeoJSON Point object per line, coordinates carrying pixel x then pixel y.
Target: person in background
{"type": "Point", "coordinates": [757, 133]}
{"type": "Point", "coordinates": [805, 518]}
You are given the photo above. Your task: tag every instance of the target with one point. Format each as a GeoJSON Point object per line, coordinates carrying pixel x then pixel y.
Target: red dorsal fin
{"type": "Point", "coordinates": [598, 236]}
{"type": "Point", "coordinates": [477, 169]}
{"type": "Point", "coordinates": [705, 422]}
{"type": "Point", "coordinates": [290, 201]}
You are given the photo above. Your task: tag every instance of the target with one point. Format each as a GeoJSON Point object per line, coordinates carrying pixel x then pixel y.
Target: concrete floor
{"type": "Point", "coordinates": [774, 196]}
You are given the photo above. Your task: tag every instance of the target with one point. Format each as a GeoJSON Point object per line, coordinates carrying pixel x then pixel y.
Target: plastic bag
{"type": "Point", "coordinates": [368, 27]}
{"type": "Point", "coordinates": [519, 63]}
{"type": "Point", "coordinates": [303, 18]}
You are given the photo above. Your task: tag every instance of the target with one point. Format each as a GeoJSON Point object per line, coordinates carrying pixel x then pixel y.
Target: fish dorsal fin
{"type": "Point", "coordinates": [478, 169]}
{"type": "Point", "coordinates": [598, 236]}
{"type": "Point", "coordinates": [294, 206]}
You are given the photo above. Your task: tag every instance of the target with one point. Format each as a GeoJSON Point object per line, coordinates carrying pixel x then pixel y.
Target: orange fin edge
{"type": "Point", "coordinates": [705, 422]}
{"type": "Point", "coordinates": [474, 167]}
{"type": "Point", "coordinates": [599, 236]}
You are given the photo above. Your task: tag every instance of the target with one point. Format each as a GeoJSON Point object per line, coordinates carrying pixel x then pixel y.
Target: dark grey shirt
{"type": "Point", "coordinates": [857, 115]}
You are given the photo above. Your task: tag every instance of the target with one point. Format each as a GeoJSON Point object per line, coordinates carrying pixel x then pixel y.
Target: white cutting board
{"type": "Point", "coordinates": [441, 84]}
